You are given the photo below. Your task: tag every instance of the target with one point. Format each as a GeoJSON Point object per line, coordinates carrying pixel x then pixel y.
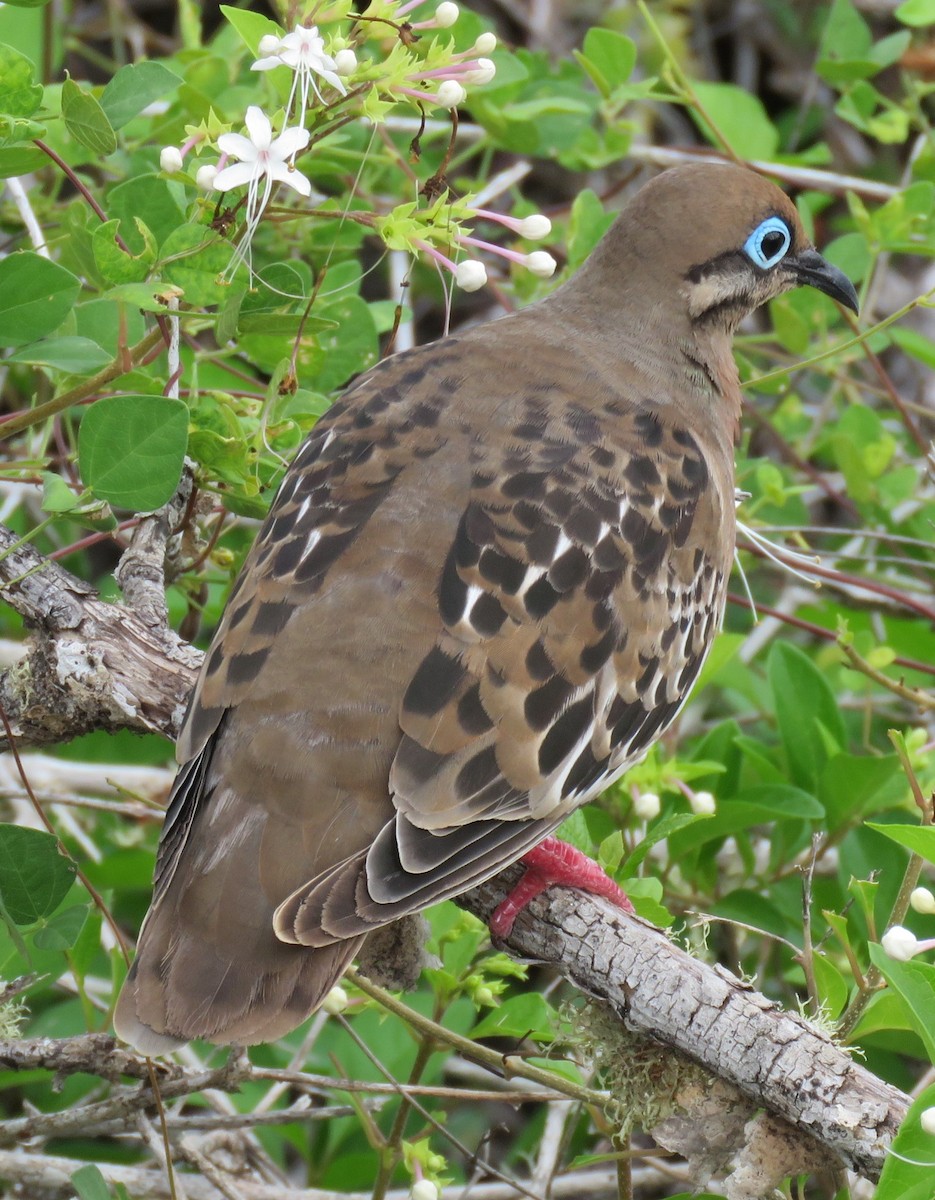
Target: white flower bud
{"type": "Point", "coordinates": [471, 275]}
{"type": "Point", "coordinates": [424, 1189]}
{"type": "Point", "coordinates": [205, 176]}
{"type": "Point", "coordinates": [922, 900]}
{"type": "Point", "coordinates": [927, 1120]}
{"type": "Point", "coordinates": [336, 1001]}
{"type": "Point", "coordinates": [647, 805]}
{"type": "Point", "coordinates": [269, 44]}
{"type": "Point", "coordinates": [446, 14]}
{"type": "Point", "coordinates": [534, 227]}
{"type": "Point", "coordinates": [702, 803]}
{"type": "Point", "coordinates": [486, 43]}
{"type": "Point", "coordinates": [170, 159]}
{"type": "Point", "coordinates": [900, 943]}
{"type": "Point", "coordinates": [483, 73]}
{"type": "Point", "coordinates": [541, 263]}
{"type": "Point", "coordinates": [345, 62]}
{"type": "Point", "coordinates": [451, 94]}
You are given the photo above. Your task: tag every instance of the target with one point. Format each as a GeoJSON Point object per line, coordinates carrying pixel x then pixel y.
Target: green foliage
{"type": "Point", "coordinates": [783, 773]}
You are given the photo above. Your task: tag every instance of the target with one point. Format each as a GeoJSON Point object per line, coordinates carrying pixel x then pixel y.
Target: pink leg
{"type": "Point", "coordinates": [554, 862]}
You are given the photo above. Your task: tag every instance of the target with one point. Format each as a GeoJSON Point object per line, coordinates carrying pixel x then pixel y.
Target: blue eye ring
{"type": "Point", "coordinates": [768, 255]}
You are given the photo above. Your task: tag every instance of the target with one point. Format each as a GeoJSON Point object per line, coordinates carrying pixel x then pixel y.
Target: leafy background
{"type": "Point", "coordinates": [812, 729]}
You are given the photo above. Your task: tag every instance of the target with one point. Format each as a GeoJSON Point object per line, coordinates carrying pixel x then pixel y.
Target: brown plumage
{"type": "Point", "coordinates": [486, 586]}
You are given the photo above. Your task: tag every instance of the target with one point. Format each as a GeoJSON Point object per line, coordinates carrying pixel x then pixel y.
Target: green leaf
{"type": "Point", "coordinates": [113, 262]}
{"type": "Point", "coordinates": [61, 932]}
{"type": "Point", "coordinates": [663, 829]}
{"type": "Point", "coordinates": [920, 839]}
{"type": "Point", "coordinates": [832, 986]}
{"type": "Point", "coordinates": [131, 449]}
{"type": "Point", "coordinates": [907, 1169]}
{"type": "Point", "coordinates": [915, 983]}
{"type": "Point", "coordinates": [27, 3]}
{"type": "Point", "coordinates": [608, 57]}
{"type": "Point", "coordinates": [57, 496]}
{"type": "Point", "coordinates": [90, 1184]}
{"type": "Point", "coordinates": [916, 12]}
{"type": "Point", "coordinates": [20, 160]}
{"type": "Point", "coordinates": [251, 26]}
{"type": "Point", "coordinates": [36, 295]}
{"type": "Point", "coordinates": [86, 121]}
{"type": "Point", "coordinates": [34, 875]}
{"type": "Point", "coordinates": [20, 95]}
{"type": "Point", "coordinates": [133, 88]}
{"type": "Point", "coordinates": [194, 258]}
{"type": "Point", "coordinates": [76, 355]}
{"type": "Point", "coordinates": [739, 116]}
{"type": "Point", "coordinates": [528, 1013]}
{"type": "Point", "coordinates": [805, 705]}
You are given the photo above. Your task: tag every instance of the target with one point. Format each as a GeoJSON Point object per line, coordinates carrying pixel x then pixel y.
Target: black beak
{"type": "Point", "coordinates": [809, 267]}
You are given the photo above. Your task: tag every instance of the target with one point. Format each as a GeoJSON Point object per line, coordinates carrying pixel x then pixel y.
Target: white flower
{"type": "Point", "coordinates": [541, 263]}
{"type": "Point", "coordinates": [702, 803]}
{"type": "Point", "coordinates": [534, 227]}
{"type": "Point", "coordinates": [170, 159]}
{"type": "Point", "coordinates": [303, 51]}
{"type": "Point", "coordinates": [446, 14]}
{"type": "Point", "coordinates": [486, 43]}
{"type": "Point", "coordinates": [424, 1189]}
{"type": "Point", "coordinates": [451, 94]}
{"type": "Point", "coordinates": [647, 806]}
{"type": "Point", "coordinates": [900, 943]}
{"type": "Point", "coordinates": [269, 44]}
{"type": "Point", "coordinates": [483, 73]}
{"type": "Point", "coordinates": [262, 157]}
{"type": "Point", "coordinates": [336, 1001]}
{"type": "Point", "coordinates": [470, 275]}
{"type": "Point", "coordinates": [922, 900]}
{"type": "Point", "coordinates": [927, 1120]}
{"type": "Point", "coordinates": [345, 62]}
{"type": "Point", "coordinates": [205, 177]}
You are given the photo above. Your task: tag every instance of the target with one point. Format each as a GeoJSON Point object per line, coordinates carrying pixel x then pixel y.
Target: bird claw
{"type": "Point", "coordinates": [554, 863]}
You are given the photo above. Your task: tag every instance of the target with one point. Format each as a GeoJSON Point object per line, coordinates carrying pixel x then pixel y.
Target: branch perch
{"type": "Point", "coordinates": [107, 666]}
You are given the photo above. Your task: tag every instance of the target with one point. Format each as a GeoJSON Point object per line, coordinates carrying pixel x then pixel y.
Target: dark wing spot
{"type": "Point", "coordinates": [538, 663]}
{"type": "Point", "coordinates": [244, 668]}
{"type": "Point", "coordinates": [544, 704]}
{"type": "Point", "coordinates": [288, 556]}
{"type": "Point", "coordinates": [436, 680]}
{"type": "Point", "coordinates": [649, 428]}
{"type": "Point", "coordinates": [642, 472]}
{"type": "Point", "coordinates": [272, 616]}
{"type": "Point", "coordinates": [593, 657]}
{"type": "Point", "coordinates": [324, 555]}
{"type": "Point", "coordinates": [487, 615]}
{"type": "Point", "coordinates": [452, 592]}
{"type": "Point", "coordinates": [502, 570]}
{"type": "Point", "coordinates": [472, 716]}
{"type": "Point", "coordinates": [565, 734]}
{"type": "Point", "coordinates": [477, 773]}
{"type": "Point", "coordinates": [586, 772]}
{"type": "Point", "coordinates": [655, 720]}
{"type": "Point", "coordinates": [569, 570]}
{"type": "Point", "coordinates": [540, 599]}
{"type": "Point", "coordinates": [525, 484]}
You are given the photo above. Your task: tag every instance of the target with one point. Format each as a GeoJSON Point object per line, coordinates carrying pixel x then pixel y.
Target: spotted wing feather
{"type": "Point", "coordinates": [578, 599]}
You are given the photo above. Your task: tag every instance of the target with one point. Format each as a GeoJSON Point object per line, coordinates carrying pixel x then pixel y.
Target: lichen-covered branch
{"type": "Point", "coordinates": [93, 665]}
{"type": "Point", "coordinates": [776, 1058]}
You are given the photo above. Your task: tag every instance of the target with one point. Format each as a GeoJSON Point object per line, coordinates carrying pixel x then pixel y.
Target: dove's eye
{"type": "Point", "coordinates": [768, 242]}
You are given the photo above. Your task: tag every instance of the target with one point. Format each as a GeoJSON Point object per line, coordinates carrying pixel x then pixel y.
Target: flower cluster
{"type": "Point", "coordinates": [327, 76]}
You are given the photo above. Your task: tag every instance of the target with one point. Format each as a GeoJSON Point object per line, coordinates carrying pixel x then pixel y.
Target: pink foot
{"type": "Point", "coordinates": [554, 863]}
